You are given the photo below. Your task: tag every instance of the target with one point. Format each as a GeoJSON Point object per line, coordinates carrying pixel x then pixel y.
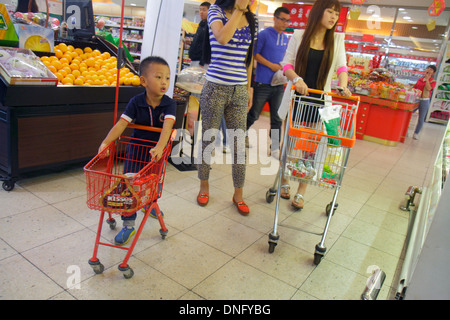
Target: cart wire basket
{"type": "Point", "coordinates": [123, 179]}
{"type": "Point", "coordinates": [319, 135]}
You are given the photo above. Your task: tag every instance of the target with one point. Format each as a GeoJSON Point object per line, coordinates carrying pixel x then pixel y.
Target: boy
{"type": "Point", "coordinates": [150, 108]}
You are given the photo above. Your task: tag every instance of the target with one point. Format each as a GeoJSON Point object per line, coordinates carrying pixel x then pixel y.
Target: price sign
{"type": "Point", "coordinates": [300, 14]}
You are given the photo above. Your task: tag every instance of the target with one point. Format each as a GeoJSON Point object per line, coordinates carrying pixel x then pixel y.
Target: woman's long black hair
{"type": "Point", "coordinates": [229, 5]}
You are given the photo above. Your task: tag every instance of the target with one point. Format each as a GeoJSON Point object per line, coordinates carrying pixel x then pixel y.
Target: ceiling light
{"type": "Point", "coordinates": [415, 28]}
{"type": "Point", "coordinates": [407, 17]}
{"type": "Point", "coordinates": [133, 4]}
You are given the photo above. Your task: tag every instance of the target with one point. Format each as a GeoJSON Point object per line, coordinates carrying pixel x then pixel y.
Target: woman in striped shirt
{"type": "Point", "coordinates": [227, 91]}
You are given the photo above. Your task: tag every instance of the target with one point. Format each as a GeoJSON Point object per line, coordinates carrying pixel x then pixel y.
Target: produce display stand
{"type": "Point", "coordinates": [43, 127]}
{"type": "Point", "coordinates": [383, 121]}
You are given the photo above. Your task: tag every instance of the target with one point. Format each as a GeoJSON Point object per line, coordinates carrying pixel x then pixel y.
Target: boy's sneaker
{"type": "Point", "coordinates": [124, 236]}
{"type": "Point", "coordinates": [152, 213]}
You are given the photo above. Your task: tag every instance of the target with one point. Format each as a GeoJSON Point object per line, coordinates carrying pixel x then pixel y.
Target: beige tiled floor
{"type": "Point", "coordinates": [47, 235]}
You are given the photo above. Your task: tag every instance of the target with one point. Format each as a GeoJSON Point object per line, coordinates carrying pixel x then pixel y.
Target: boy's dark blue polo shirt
{"type": "Point", "coordinates": [138, 111]}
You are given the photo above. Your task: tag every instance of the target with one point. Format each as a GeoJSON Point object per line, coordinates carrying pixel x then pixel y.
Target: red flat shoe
{"type": "Point", "coordinates": [202, 199]}
{"type": "Point", "coordinates": [242, 207]}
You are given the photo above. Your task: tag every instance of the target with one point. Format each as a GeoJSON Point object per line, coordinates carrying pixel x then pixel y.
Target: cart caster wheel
{"type": "Point", "coordinates": [127, 272]}
{"type": "Point", "coordinates": [317, 258]}
{"type": "Point", "coordinates": [328, 208]}
{"type": "Point", "coordinates": [318, 254]}
{"type": "Point", "coordinates": [272, 246]}
{"type": "Point", "coordinates": [97, 267]}
{"type": "Point", "coordinates": [273, 239]}
{"type": "Point", "coordinates": [112, 223]}
{"type": "Point", "coordinates": [270, 195]}
{"type": "Point", "coordinates": [163, 233]}
{"type": "Point", "coordinates": [8, 185]}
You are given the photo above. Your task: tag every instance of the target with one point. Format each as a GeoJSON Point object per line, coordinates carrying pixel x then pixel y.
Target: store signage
{"type": "Point", "coordinates": [358, 1]}
{"type": "Point", "coordinates": [436, 8]}
{"type": "Point", "coordinates": [300, 14]}
{"type": "Point", "coordinates": [394, 55]}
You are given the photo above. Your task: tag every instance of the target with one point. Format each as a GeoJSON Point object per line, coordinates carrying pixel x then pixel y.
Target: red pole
{"type": "Point", "coordinates": [119, 57]}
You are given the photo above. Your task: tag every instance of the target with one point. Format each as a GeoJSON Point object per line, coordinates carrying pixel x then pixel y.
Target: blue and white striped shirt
{"type": "Point", "coordinates": [227, 66]}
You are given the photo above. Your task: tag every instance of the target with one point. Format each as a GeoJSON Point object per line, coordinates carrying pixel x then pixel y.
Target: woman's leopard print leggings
{"type": "Point", "coordinates": [232, 102]}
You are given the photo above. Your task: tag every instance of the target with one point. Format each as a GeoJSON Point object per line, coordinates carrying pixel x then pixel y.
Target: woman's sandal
{"type": "Point", "coordinates": [297, 198]}
{"type": "Point", "coordinates": [242, 207]}
{"type": "Point", "coordinates": [203, 199]}
{"type": "Point", "coordinates": [285, 188]}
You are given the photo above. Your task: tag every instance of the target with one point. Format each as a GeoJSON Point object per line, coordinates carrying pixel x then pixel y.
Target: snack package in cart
{"type": "Point", "coordinates": [331, 117]}
{"type": "Point", "coordinates": [329, 154]}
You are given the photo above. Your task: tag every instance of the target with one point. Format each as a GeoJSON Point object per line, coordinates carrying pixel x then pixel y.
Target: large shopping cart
{"type": "Point", "coordinates": [111, 191]}
{"type": "Point", "coordinates": [320, 132]}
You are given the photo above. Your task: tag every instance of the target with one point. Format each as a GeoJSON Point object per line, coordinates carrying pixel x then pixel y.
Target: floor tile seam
{"type": "Point", "coordinates": [27, 211]}
{"type": "Point", "coordinates": [296, 286]}
{"type": "Point", "coordinates": [378, 226]}
{"type": "Point", "coordinates": [42, 272]}
{"type": "Point", "coordinates": [316, 268]}
{"type": "Point", "coordinates": [365, 244]}
{"type": "Point", "coordinates": [164, 274]}
{"type": "Point", "coordinates": [381, 227]}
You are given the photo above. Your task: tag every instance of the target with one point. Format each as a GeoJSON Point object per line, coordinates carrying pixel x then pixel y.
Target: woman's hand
{"type": "Point", "coordinates": [301, 87]}
{"type": "Point", "coordinates": [250, 98]}
{"type": "Point", "coordinates": [345, 92]}
{"type": "Point", "coordinates": [242, 4]}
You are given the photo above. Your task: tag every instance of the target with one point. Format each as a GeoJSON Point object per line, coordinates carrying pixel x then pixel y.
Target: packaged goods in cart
{"type": "Point", "coordinates": [300, 169]}
{"type": "Point", "coordinates": [331, 117]}
{"type": "Point", "coordinates": [120, 196]}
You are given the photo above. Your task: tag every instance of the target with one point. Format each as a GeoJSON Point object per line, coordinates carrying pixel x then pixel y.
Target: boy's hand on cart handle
{"type": "Point", "coordinates": [101, 148]}
{"type": "Point", "coordinates": [156, 153]}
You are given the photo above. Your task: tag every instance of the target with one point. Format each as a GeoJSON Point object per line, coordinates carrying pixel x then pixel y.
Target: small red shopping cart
{"type": "Point", "coordinates": [111, 190]}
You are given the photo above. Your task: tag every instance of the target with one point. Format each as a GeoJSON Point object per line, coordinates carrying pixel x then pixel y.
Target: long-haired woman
{"type": "Point", "coordinates": [227, 92]}
{"type": "Point", "coordinates": [312, 56]}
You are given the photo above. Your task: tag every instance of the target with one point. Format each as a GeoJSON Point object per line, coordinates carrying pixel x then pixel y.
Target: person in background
{"type": "Point", "coordinates": [426, 84]}
{"type": "Point", "coordinates": [227, 91]}
{"type": "Point", "coordinates": [196, 55]}
{"type": "Point", "coordinates": [24, 6]}
{"type": "Point", "coordinates": [311, 58]}
{"type": "Point", "coordinates": [149, 108]}
{"type": "Point", "coordinates": [269, 53]}
{"type": "Point", "coordinates": [196, 48]}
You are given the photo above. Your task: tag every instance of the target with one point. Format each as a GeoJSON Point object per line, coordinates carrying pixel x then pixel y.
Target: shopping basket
{"type": "Point", "coordinates": [319, 135]}
{"type": "Point", "coordinates": [110, 190]}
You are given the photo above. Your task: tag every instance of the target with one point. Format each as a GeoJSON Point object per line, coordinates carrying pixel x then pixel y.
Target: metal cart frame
{"type": "Point", "coordinates": [311, 156]}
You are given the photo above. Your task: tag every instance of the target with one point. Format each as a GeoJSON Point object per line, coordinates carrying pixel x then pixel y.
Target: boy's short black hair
{"type": "Point", "coordinates": [148, 61]}
{"type": "Point", "coordinates": [205, 4]}
{"type": "Point", "coordinates": [281, 10]}
{"type": "Point", "coordinates": [431, 66]}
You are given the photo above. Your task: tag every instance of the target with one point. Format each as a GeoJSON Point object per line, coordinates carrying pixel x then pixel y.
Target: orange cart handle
{"type": "Point", "coordinates": [332, 94]}
{"type": "Point", "coordinates": [148, 128]}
